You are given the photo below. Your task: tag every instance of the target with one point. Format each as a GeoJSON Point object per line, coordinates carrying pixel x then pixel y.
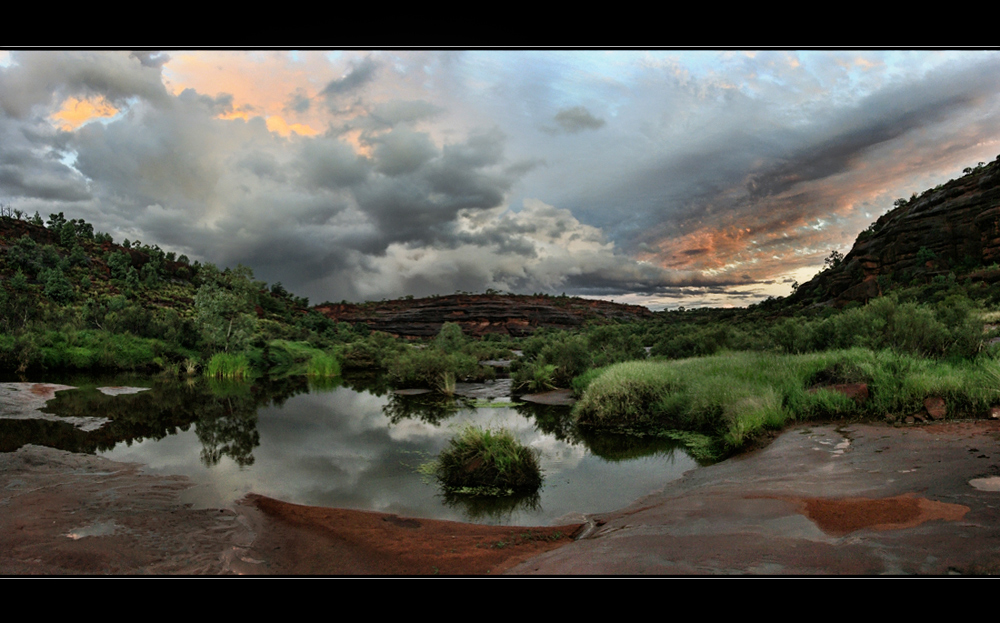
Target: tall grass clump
{"type": "Point", "coordinates": [734, 397]}
{"type": "Point", "coordinates": [228, 366]}
{"type": "Point", "coordinates": [323, 364]}
{"type": "Point", "coordinates": [286, 358]}
{"type": "Point", "coordinates": [486, 461]}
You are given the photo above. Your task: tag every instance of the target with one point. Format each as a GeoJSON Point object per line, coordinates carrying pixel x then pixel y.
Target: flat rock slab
{"type": "Point", "coordinates": [411, 392]}
{"type": "Point", "coordinates": [63, 514]}
{"type": "Point", "coordinates": [563, 397]}
{"type": "Point", "coordinates": [860, 499]}
{"type": "Point", "coordinates": [119, 390]}
{"type": "Point", "coordinates": [25, 401]}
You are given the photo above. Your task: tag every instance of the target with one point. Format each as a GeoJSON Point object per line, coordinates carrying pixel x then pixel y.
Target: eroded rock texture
{"type": "Point", "coordinates": [480, 314]}
{"type": "Point", "coordinates": [954, 228]}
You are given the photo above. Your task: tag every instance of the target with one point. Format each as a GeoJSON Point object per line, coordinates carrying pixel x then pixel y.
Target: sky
{"type": "Point", "coordinates": [664, 178]}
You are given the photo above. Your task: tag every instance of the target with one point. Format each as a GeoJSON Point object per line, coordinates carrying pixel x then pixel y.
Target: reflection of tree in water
{"type": "Point", "coordinates": [555, 420]}
{"type": "Point", "coordinates": [614, 447]}
{"type": "Point", "coordinates": [225, 414]}
{"type": "Point", "coordinates": [376, 384]}
{"type": "Point", "coordinates": [227, 424]}
{"type": "Point", "coordinates": [432, 408]}
{"type": "Point", "coordinates": [496, 509]}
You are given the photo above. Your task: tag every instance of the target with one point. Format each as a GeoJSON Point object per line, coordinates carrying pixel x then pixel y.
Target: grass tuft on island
{"type": "Point", "coordinates": [486, 462]}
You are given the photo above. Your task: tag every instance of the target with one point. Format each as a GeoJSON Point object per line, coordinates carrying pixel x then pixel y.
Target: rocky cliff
{"type": "Point", "coordinates": [951, 229]}
{"type": "Point", "coordinates": [480, 314]}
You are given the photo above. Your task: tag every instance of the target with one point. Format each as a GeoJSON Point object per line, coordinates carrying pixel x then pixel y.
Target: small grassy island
{"type": "Point", "coordinates": [484, 461]}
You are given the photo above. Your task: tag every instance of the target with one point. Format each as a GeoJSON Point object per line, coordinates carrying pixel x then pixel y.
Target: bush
{"type": "Point", "coordinates": [486, 462]}
{"type": "Point", "coordinates": [426, 367]}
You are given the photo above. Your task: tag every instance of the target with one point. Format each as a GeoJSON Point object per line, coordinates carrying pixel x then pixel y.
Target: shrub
{"type": "Point", "coordinates": [486, 462]}
{"type": "Point", "coordinates": [426, 367]}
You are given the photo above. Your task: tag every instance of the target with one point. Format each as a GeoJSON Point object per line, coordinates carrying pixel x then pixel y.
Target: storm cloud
{"type": "Point", "coordinates": [667, 178]}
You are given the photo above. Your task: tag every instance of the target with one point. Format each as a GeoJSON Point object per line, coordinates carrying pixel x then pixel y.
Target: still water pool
{"type": "Point", "coordinates": [350, 447]}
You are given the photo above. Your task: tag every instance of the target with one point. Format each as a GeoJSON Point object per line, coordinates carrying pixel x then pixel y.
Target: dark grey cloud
{"type": "Point", "coordinates": [31, 165]}
{"type": "Point", "coordinates": [361, 72]}
{"type": "Point", "coordinates": [419, 200]}
{"type": "Point", "coordinates": [151, 59]}
{"type": "Point", "coordinates": [408, 194]}
{"type": "Point", "coordinates": [42, 78]}
{"type": "Point", "coordinates": [403, 151]}
{"type": "Point", "coordinates": [771, 179]}
{"type": "Point", "coordinates": [577, 119]}
{"type": "Point", "coordinates": [394, 112]}
{"type": "Point", "coordinates": [299, 102]}
{"type": "Point", "coordinates": [264, 165]}
{"type": "Point", "coordinates": [332, 164]}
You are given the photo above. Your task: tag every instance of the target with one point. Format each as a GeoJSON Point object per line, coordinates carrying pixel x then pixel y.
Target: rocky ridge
{"type": "Point", "coordinates": [953, 228]}
{"type": "Point", "coordinates": [480, 314]}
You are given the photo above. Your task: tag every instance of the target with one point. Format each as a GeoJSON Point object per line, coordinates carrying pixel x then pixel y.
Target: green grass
{"type": "Point", "coordinates": [485, 461]}
{"type": "Point", "coordinates": [228, 366]}
{"type": "Point", "coordinates": [286, 358]}
{"type": "Point", "coordinates": [323, 365]}
{"type": "Point", "coordinates": [734, 397]}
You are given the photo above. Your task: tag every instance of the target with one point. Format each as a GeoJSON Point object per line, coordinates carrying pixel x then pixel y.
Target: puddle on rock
{"type": "Point", "coordinates": [100, 528]}
{"type": "Point", "coordinates": [841, 516]}
{"type": "Point", "coordinates": [986, 484]}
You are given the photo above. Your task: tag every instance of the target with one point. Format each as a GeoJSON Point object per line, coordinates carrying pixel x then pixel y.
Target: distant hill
{"type": "Point", "coordinates": [480, 314]}
{"type": "Point", "coordinates": [68, 266]}
{"type": "Point", "coordinates": [948, 231]}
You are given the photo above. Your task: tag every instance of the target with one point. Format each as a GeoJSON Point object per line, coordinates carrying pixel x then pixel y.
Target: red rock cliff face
{"type": "Point", "coordinates": [480, 314]}
{"type": "Point", "coordinates": [955, 224]}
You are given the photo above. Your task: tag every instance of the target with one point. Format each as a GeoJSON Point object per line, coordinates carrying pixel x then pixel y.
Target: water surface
{"type": "Point", "coordinates": [346, 447]}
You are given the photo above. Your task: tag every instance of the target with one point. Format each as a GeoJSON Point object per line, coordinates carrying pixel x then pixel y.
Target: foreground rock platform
{"type": "Point", "coordinates": [856, 499]}
{"type": "Point", "coordinates": [859, 499]}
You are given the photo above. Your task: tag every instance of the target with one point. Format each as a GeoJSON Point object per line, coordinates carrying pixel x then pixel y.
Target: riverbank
{"type": "Point", "coordinates": [66, 514]}
{"type": "Point", "coordinates": [861, 499]}
{"type": "Point", "coordinates": [849, 499]}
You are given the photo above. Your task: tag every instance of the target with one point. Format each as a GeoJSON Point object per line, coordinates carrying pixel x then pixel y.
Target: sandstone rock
{"type": "Point", "coordinates": [935, 408]}
{"type": "Point", "coordinates": [480, 314]}
{"type": "Point", "coordinates": [856, 391]}
{"type": "Point", "coordinates": [952, 223]}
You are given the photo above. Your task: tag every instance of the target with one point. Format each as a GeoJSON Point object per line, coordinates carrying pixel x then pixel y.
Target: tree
{"type": "Point", "coordinates": [56, 221]}
{"type": "Point", "coordinates": [450, 338]}
{"type": "Point", "coordinates": [225, 308]}
{"type": "Point", "coordinates": [57, 286]}
{"type": "Point", "coordinates": [834, 260]}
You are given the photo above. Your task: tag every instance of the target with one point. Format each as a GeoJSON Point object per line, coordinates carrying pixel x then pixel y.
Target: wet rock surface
{"type": "Point", "coordinates": [25, 401]}
{"type": "Point", "coordinates": [70, 514]}
{"type": "Point", "coordinates": [861, 499]}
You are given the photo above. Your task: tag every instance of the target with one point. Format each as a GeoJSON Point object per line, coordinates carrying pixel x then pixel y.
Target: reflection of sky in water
{"type": "Point", "coordinates": [337, 449]}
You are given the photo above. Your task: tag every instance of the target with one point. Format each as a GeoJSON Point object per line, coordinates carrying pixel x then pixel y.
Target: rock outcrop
{"type": "Point", "coordinates": [480, 314]}
{"type": "Point", "coordinates": [954, 228]}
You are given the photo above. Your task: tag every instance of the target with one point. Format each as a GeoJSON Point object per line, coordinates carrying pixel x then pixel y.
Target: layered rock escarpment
{"type": "Point", "coordinates": [954, 228]}
{"type": "Point", "coordinates": [480, 314]}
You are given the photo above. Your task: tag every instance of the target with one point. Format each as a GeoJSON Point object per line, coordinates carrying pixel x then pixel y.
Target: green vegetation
{"type": "Point", "coordinates": [490, 462]}
{"type": "Point", "coordinates": [228, 366]}
{"type": "Point", "coordinates": [734, 397]}
{"type": "Point", "coordinates": [441, 363]}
